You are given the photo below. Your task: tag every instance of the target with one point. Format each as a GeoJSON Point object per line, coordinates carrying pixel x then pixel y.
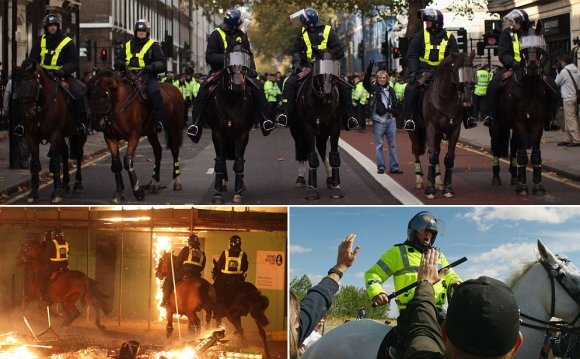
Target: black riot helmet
{"type": "Point", "coordinates": [50, 19]}
{"type": "Point", "coordinates": [433, 15]}
{"type": "Point", "coordinates": [142, 25]}
{"type": "Point", "coordinates": [193, 241]}
{"type": "Point", "coordinates": [518, 16]}
{"type": "Point", "coordinates": [422, 221]}
{"type": "Point", "coordinates": [235, 241]}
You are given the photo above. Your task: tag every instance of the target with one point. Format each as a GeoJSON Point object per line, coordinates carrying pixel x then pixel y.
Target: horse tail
{"type": "Point", "coordinates": [99, 297]}
{"type": "Point", "coordinates": [174, 133]}
{"type": "Point", "coordinates": [422, 135]}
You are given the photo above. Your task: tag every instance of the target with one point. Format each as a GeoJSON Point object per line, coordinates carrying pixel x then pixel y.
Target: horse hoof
{"type": "Point", "coordinates": [139, 194]}
{"type": "Point", "coordinates": [419, 184]}
{"type": "Point", "coordinates": [336, 193]}
{"type": "Point", "coordinates": [448, 193]}
{"type": "Point", "coordinates": [153, 187]}
{"type": "Point", "coordinates": [78, 188]}
{"type": "Point", "coordinates": [300, 182]}
{"type": "Point", "coordinates": [538, 189]}
{"type": "Point", "coordinates": [32, 199]}
{"type": "Point", "coordinates": [237, 198]}
{"type": "Point", "coordinates": [118, 198]}
{"type": "Point", "coordinates": [496, 181]}
{"type": "Point", "coordinates": [430, 196]}
{"type": "Point", "coordinates": [514, 181]}
{"type": "Point", "coordinates": [55, 199]}
{"type": "Point", "coordinates": [66, 188]}
{"type": "Point", "coordinates": [218, 199]}
{"type": "Point", "coordinates": [177, 186]}
{"type": "Point", "coordinates": [522, 190]}
{"type": "Point", "coordinates": [439, 186]}
{"type": "Point", "coordinates": [312, 195]}
{"type": "Point", "coordinates": [329, 182]}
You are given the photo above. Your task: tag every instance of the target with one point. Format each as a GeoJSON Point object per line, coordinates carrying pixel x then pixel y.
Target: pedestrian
{"type": "Point", "coordinates": [383, 109]}
{"type": "Point", "coordinates": [306, 314]}
{"type": "Point", "coordinates": [568, 79]}
{"type": "Point", "coordinates": [314, 336]}
{"type": "Point", "coordinates": [483, 78]}
{"type": "Point", "coordinates": [359, 101]}
{"type": "Point", "coordinates": [361, 313]}
{"type": "Point", "coordinates": [401, 262]}
{"type": "Point", "coordinates": [483, 319]}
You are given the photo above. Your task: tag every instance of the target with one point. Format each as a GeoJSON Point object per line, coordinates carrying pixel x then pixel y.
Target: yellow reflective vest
{"type": "Point", "coordinates": [400, 90]}
{"type": "Point", "coordinates": [140, 56]}
{"type": "Point", "coordinates": [359, 95]}
{"type": "Point", "coordinates": [321, 46]}
{"type": "Point", "coordinates": [271, 90]}
{"type": "Point", "coordinates": [49, 58]}
{"type": "Point", "coordinates": [402, 263]}
{"type": "Point", "coordinates": [195, 257]}
{"type": "Point", "coordinates": [61, 253]}
{"type": "Point", "coordinates": [516, 46]}
{"type": "Point", "coordinates": [428, 47]}
{"type": "Point", "coordinates": [233, 265]}
{"type": "Point", "coordinates": [483, 79]}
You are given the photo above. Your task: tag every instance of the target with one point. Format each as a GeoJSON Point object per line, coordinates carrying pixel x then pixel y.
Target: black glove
{"type": "Point", "coordinates": [370, 67]}
{"type": "Point", "coordinates": [58, 73]}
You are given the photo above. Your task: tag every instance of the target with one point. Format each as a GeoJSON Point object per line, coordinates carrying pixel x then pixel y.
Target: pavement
{"type": "Point", "coordinates": [560, 160]}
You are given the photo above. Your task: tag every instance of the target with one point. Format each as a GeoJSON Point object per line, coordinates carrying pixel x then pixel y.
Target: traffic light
{"type": "Point", "coordinates": [168, 50]}
{"type": "Point", "coordinates": [385, 48]}
{"type": "Point", "coordinates": [104, 55]}
{"type": "Point", "coordinates": [361, 50]}
{"type": "Point", "coordinates": [462, 39]}
{"type": "Point", "coordinates": [492, 41]}
{"type": "Point", "coordinates": [396, 53]}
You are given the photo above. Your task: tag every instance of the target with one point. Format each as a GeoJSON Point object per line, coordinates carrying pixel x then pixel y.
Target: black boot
{"type": "Point", "coordinates": [158, 111]}
{"type": "Point", "coordinates": [469, 122]}
{"type": "Point", "coordinates": [488, 121]}
{"type": "Point", "coordinates": [266, 124]}
{"type": "Point", "coordinates": [19, 130]}
{"type": "Point", "coordinates": [194, 130]}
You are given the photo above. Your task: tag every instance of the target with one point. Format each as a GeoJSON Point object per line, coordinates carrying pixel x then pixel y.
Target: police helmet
{"type": "Point", "coordinates": [433, 15]}
{"type": "Point", "coordinates": [58, 234]}
{"type": "Point", "coordinates": [235, 241]}
{"type": "Point", "coordinates": [142, 25]}
{"type": "Point", "coordinates": [48, 235]}
{"type": "Point", "coordinates": [50, 19]}
{"type": "Point", "coordinates": [518, 16]}
{"type": "Point", "coordinates": [233, 18]}
{"type": "Point", "coordinates": [309, 17]}
{"type": "Point", "coordinates": [193, 241]}
{"type": "Point", "coordinates": [420, 222]}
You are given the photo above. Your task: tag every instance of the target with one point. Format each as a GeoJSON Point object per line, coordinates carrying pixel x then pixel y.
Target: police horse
{"type": "Point", "coordinates": [315, 120]}
{"type": "Point", "coordinates": [522, 111]}
{"type": "Point", "coordinates": [548, 287]}
{"type": "Point", "coordinates": [442, 108]}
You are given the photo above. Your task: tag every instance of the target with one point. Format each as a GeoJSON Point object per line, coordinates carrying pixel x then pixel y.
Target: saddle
{"type": "Point", "coordinates": [425, 80]}
{"type": "Point", "coordinates": [506, 75]}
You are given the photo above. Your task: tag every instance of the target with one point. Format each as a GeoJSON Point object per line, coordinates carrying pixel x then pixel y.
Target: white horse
{"type": "Point", "coordinates": [546, 288]}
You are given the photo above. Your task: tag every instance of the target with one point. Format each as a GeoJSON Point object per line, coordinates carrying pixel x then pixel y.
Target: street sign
{"type": "Point", "coordinates": [83, 52]}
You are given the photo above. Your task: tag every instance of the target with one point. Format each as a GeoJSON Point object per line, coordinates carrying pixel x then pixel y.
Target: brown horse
{"type": "Point", "coordinates": [236, 299]}
{"type": "Point", "coordinates": [443, 108]}
{"type": "Point", "coordinates": [123, 113]}
{"type": "Point", "coordinates": [193, 295]}
{"type": "Point", "coordinates": [67, 288]}
{"type": "Point", "coordinates": [41, 103]}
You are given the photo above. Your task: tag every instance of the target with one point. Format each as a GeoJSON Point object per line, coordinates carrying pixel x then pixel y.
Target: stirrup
{"type": "Point", "coordinates": [282, 120]}
{"type": "Point", "coordinates": [352, 123]}
{"type": "Point", "coordinates": [268, 125]}
{"type": "Point", "coordinates": [82, 129]}
{"type": "Point", "coordinates": [410, 125]}
{"type": "Point", "coordinates": [488, 121]}
{"type": "Point", "coordinates": [158, 126]}
{"type": "Point", "coordinates": [469, 123]}
{"type": "Point", "coordinates": [192, 130]}
{"type": "Point", "coordinates": [19, 131]}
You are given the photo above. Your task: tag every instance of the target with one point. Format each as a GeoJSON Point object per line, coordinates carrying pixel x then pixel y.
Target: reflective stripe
{"type": "Point", "coordinates": [140, 55]}
{"type": "Point", "coordinates": [407, 270]}
{"type": "Point", "coordinates": [61, 252]}
{"type": "Point", "coordinates": [385, 267]}
{"type": "Point", "coordinates": [516, 45]}
{"type": "Point", "coordinates": [322, 46]}
{"type": "Point", "coordinates": [55, 53]}
{"type": "Point", "coordinates": [223, 36]}
{"type": "Point", "coordinates": [428, 47]}
{"type": "Point", "coordinates": [404, 256]}
{"type": "Point", "coordinates": [191, 260]}
{"type": "Point", "coordinates": [231, 261]}
{"type": "Point", "coordinates": [371, 282]}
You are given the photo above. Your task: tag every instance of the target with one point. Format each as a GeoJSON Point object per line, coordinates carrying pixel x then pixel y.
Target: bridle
{"type": "Point", "coordinates": [106, 113]}
{"type": "Point", "coordinates": [33, 98]}
{"type": "Point", "coordinates": [555, 274]}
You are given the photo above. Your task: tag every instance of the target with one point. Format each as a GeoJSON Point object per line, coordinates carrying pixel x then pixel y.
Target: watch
{"type": "Point", "coordinates": [335, 271]}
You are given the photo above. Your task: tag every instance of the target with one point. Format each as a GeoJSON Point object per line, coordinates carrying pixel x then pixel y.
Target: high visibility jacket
{"type": "Point", "coordinates": [359, 95]}
{"type": "Point", "coordinates": [428, 47]}
{"type": "Point", "coordinates": [516, 45]}
{"type": "Point", "coordinates": [400, 90]}
{"type": "Point", "coordinates": [61, 252]}
{"type": "Point", "coordinates": [321, 46]}
{"type": "Point", "coordinates": [195, 257]}
{"type": "Point", "coordinates": [402, 263]}
{"type": "Point", "coordinates": [483, 79]}
{"type": "Point", "coordinates": [271, 90]}
{"type": "Point", "coordinates": [139, 63]}
{"type": "Point", "coordinates": [233, 265]}
{"type": "Point", "coordinates": [49, 58]}
{"type": "Point", "coordinates": [194, 85]}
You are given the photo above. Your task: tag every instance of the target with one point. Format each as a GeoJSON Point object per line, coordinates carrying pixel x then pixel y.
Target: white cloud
{"type": "Point", "coordinates": [315, 278]}
{"type": "Point", "coordinates": [359, 275]}
{"type": "Point", "coordinates": [485, 216]}
{"type": "Point", "coordinates": [296, 249]}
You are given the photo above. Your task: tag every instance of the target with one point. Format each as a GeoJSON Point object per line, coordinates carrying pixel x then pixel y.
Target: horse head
{"type": "Point", "coordinates": [463, 76]}
{"type": "Point", "coordinates": [26, 88]}
{"type": "Point", "coordinates": [164, 267]}
{"type": "Point", "coordinates": [237, 64]}
{"type": "Point", "coordinates": [29, 253]}
{"type": "Point", "coordinates": [325, 68]}
{"type": "Point", "coordinates": [533, 52]}
{"type": "Point", "coordinates": [100, 86]}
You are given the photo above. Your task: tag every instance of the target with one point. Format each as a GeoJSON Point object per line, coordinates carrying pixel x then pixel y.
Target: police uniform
{"type": "Point", "coordinates": [55, 254]}
{"type": "Point", "coordinates": [359, 102]}
{"type": "Point", "coordinates": [484, 76]}
{"type": "Point", "coordinates": [58, 54]}
{"type": "Point", "coordinates": [272, 92]}
{"type": "Point", "coordinates": [224, 38]}
{"type": "Point", "coordinates": [145, 55]}
{"type": "Point", "coordinates": [190, 262]}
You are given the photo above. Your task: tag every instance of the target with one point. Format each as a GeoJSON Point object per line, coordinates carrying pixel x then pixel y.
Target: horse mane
{"type": "Point", "coordinates": [519, 273]}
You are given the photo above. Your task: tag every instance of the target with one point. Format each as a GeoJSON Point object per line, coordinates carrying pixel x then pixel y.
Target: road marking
{"type": "Point", "coordinates": [394, 188]}
{"type": "Point", "coordinates": [209, 171]}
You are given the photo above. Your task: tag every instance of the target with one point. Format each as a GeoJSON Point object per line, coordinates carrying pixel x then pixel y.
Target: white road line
{"type": "Point", "coordinates": [398, 191]}
{"type": "Point", "coordinates": [209, 171]}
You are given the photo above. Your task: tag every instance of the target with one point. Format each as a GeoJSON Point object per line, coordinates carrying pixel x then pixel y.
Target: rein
{"type": "Point", "coordinates": [107, 113]}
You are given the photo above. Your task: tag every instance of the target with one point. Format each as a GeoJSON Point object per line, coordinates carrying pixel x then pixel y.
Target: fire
{"type": "Point", "coordinates": [185, 353]}
{"type": "Point", "coordinates": [11, 348]}
{"type": "Point", "coordinates": [162, 245]}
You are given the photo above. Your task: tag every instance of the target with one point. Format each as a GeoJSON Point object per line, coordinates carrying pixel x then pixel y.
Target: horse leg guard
{"type": "Point", "coordinates": [219, 169]}
{"type": "Point", "coordinates": [449, 163]}
{"type": "Point", "coordinates": [433, 166]}
{"type": "Point", "coordinates": [536, 159]}
{"type": "Point", "coordinates": [155, 174]}
{"type": "Point", "coordinates": [522, 158]}
{"type": "Point", "coordinates": [54, 167]}
{"type": "Point", "coordinates": [495, 179]}
{"type": "Point", "coordinates": [117, 168]}
{"type": "Point", "coordinates": [313, 163]}
{"type": "Point", "coordinates": [176, 169]}
{"type": "Point", "coordinates": [138, 191]}
{"type": "Point", "coordinates": [239, 171]}
{"type": "Point", "coordinates": [334, 161]}
{"type": "Point", "coordinates": [35, 168]}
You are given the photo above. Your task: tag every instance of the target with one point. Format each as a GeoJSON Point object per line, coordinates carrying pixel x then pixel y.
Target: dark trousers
{"type": "Point", "coordinates": [46, 272]}
{"type": "Point", "coordinates": [410, 101]}
{"type": "Point", "coordinates": [154, 94]}
{"type": "Point", "coordinates": [489, 102]}
{"type": "Point", "coordinates": [360, 115]}
{"type": "Point", "coordinates": [78, 104]}
{"type": "Point", "coordinates": [475, 106]}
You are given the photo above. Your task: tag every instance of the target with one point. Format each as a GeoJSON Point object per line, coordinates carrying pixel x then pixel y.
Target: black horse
{"type": "Point", "coordinates": [316, 118]}
{"type": "Point", "coordinates": [442, 110]}
{"type": "Point", "coordinates": [522, 111]}
{"type": "Point", "coordinates": [231, 116]}
{"type": "Point", "coordinates": [41, 102]}
{"type": "Point", "coordinates": [235, 299]}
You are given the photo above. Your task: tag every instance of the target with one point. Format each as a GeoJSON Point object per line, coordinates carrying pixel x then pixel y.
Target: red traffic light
{"type": "Point", "coordinates": [396, 52]}
{"type": "Point", "coordinates": [104, 55]}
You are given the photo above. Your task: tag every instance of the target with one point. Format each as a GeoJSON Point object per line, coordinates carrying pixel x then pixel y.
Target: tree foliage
{"type": "Point", "coordinates": [300, 286]}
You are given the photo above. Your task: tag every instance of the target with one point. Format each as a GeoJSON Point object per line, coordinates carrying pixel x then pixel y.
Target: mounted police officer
{"type": "Point", "coordinates": [227, 35]}
{"type": "Point", "coordinates": [58, 55]}
{"type": "Point", "coordinates": [426, 51]}
{"type": "Point", "coordinates": [144, 56]}
{"type": "Point", "coordinates": [190, 262]}
{"type": "Point", "coordinates": [401, 262]}
{"type": "Point", "coordinates": [315, 35]}
{"type": "Point", "coordinates": [54, 257]}
{"type": "Point", "coordinates": [510, 57]}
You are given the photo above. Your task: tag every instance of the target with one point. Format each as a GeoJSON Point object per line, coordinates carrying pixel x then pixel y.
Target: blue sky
{"type": "Point", "coordinates": [496, 240]}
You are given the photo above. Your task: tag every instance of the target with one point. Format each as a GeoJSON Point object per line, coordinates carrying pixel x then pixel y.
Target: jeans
{"type": "Point", "coordinates": [388, 129]}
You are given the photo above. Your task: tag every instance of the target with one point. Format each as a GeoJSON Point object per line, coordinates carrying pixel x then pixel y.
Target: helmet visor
{"type": "Point", "coordinates": [514, 17]}
{"type": "Point", "coordinates": [428, 14]}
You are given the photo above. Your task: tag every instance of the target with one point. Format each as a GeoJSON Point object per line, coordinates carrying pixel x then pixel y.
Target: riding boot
{"type": "Point", "coordinates": [489, 101]}
{"type": "Point", "coordinates": [266, 124]}
{"type": "Point", "coordinates": [347, 111]}
{"type": "Point", "coordinates": [19, 129]}
{"type": "Point", "coordinates": [287, 101]}
{"type": "Point", "coordinates": [469, 122]}
{"type": "Point", "coordinates": [81, 116]}
{"type": "Point", "coordinates": [195, 129]}
{"type": "Point", "coordinates": [409, 104]}
{"type": "Point", "coordinates": [158, 111]}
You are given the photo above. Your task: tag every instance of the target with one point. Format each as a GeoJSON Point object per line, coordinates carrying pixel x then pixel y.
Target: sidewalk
{"type": "Point", "coordinates": [12, 179]}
